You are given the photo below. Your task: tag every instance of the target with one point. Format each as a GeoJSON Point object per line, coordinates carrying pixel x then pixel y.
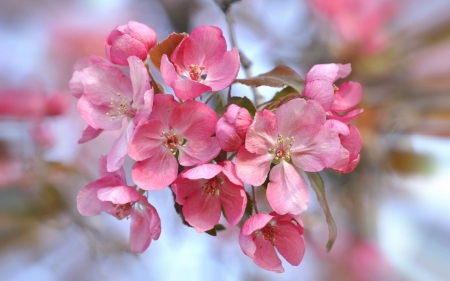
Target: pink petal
{"type": "Point", "coordinates": [120, 173]}
{"type": "Point", "coordinates": [118, 194]}
{"type": "Point", "coordinates": [184, 188]}
{"type": "Point", "coordinates": [143, 113]}
{"type": "Point", "coordinates": [328, 72]}
{"type": "Point", "coordinates": [163, 106]}
{"type": "Point", "coordinates": [349, 116]}
{"type": "Point", "coordinates": [146, 140]}
{"type": "Point", "coordinates": [145, 226]}
{"type": "Point", "coordinates": [262, 134]}
{"type": "Point", "coordinates": [337, 126]}
{"type": "Point", "coordinates": [198, 152]}
{"type": "Point", "coordinates": [315, 148]}
{"type": "Point", "coordinates": [229, 170]}
{"type": "Point", "coordinates": [116, 155]}
{"type": "Point", "coordinates": [290, 243]}
{"type": "Point", "coordinates": [142, 32]}
{"type": "Point", "coordinates": [205, 171]}
{"type": "Point", "coordinates": [265, 255]}
{"type": "Point", "coordinates": [188, 89]}
{"type": "Point", "coordinates": [89, 134]}
{"type": "Point", "coordinates": [88, 203]}
{"type": "Point", "coordinates": [139, 80]}
{"type": "Point", "coordinates": [233, 200]}
{"type": "Point", "coordinates": [254, 223]}
{"type": "Point", "coordinates": [321, 92]}
{"type": "Point", "coordinates": [168, 71]}
{"type": "Point", "coordinates": [193, 120]}
{"type": "Point", "coordinates": [296, 113]}
{"type": "Point", "coordinates": [202, 211]}
{"type": "Point", "coordinates": [157, 172]}
{"type": "Point", "coordinates": [228, 138]}
{"type": "Point", "coordinates": [204, 46]}
{"type": "Point", "coordinates": [96, 116]}
{"type": "Point", "coordinates": [287, 191]}
{"type": "Point", "coordinates": [253, 168]}
{"type": "Point", "coordinates": [348, 96]}
{"type": "Point", "coordinates": [125, 46]}
{"type": "Point", "coordinates": [76, 84]}
{"type": "Point", "coordinates": [221, 74]}
{"type": "Point", "coordinates": [102, 82]}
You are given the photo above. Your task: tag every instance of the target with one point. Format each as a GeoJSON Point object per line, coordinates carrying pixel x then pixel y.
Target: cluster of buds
{"type": "Point", "coordinates": [208, 158]}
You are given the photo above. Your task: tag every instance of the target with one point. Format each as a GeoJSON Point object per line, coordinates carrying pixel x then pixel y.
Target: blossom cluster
{"type": "Point", "coordinates": [206, 158]}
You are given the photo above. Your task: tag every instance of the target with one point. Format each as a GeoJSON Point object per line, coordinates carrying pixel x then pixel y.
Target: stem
{"type": "Point", "coordinates": [255, 207]}
{"type": "Point", "coordinates": [229, 94]}
{"type": "Point", "coordinates": [209, 97]}
{"type": "Point", "coordinates": [245, 62]}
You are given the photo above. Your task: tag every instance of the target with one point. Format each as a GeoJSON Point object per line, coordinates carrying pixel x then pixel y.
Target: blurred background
{"type": "Point", "coordinates": [392, 212]}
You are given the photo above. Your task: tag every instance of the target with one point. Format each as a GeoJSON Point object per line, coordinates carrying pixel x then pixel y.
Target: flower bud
{"type": "Point", "coordinates": [232, 127]}
{"type": "Point", "coordinates": [132, 39]}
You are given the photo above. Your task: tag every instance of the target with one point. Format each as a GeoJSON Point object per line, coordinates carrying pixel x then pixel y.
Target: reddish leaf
{"type": "Point", "coordinates": [318, 186]}
{"type": "Point", "coordinates": [167, 46]}
{"type": "Point", "coordinates": [278, 77]}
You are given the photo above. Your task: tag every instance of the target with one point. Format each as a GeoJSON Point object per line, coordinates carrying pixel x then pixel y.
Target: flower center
{"type": "Point", "coordinates": [213, 186]}
{"type": "Point", "coordinates": [123, 210]}
{"type": "Point", "coordinates": [269, 232]}
{"type": "Point", "coordinates": [336, 89]}
{"type": "Point", "coordinates": [119, 106]}
{"type": "Point", "coordinates": [282, 149]}
{"type": "Point", "coordinates": [172, 142]}
{"type": "Point", "coordinates": [195, 72]}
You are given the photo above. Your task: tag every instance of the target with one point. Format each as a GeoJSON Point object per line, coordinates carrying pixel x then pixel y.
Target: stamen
{"type": "Point", "coordinates": [269, 232]}
{"type": "Point", "coordinates": [119, 107]}
{"type": "Point", "coordinates": [172, 142]}
{"type": "Point", "coordinates": [213, 186]}
{"type": "Point", "coordinates": [195, 72]}
{"type": "Point", "coordinates": [283, 149]}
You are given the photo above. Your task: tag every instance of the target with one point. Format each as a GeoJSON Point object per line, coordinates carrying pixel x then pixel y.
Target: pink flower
{"type": "Point", "coordinates": [293, 137]}
{"type": "Point", "coordinates": [351, 144]}
{"type": "Point", "coordinates": [111, 194]}
{"type": "Point", "coordinates": [204, 189]}
{"type": "Point", "coordinates": [262, 233]}
{"type": "Point", "coordinates": [319, 82]}
{"type": "Point", "coordinates": [346, 97]}
{"type": "Point", "coordinates": [232, 127]}
{"type": "Point", "coordinates": [359, 21]}
{"type": "Point", "coordinates": [173, 129]}
{"type": "Point", "coordinates": [107, 96]}
{"type": "Point", "coordinates": [201, 63]}
{"type": "Point", "coordinates": [133, 39]}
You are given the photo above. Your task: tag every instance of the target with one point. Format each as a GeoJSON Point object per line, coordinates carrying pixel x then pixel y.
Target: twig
{"type": "Point", "coordinates": [245, 62]}
{"type": "Point", "coordinates": [210, 97]}
{"type": "Point", "coordinates": [255, 207]}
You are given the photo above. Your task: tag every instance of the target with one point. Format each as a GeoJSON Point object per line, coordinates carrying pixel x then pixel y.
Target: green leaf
{"type": "Point", "coordinates": [278, 77]}
{"type": "Point", "coordinates": [213, 231]}
{"type": "Point", "coordinates": [240, 101]}
{"type": "Point", "coordinates": [219, 103]}
{"type": "Point", "coordinates": [283, 93]}
{"type": "Point", "coordinates": [318, 186]}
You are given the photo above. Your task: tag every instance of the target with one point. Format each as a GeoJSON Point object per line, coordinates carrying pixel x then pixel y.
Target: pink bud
{"type": "Point", "coordinates": [132, 39]}
{"type": "Point", "coordinates": [232, 127]}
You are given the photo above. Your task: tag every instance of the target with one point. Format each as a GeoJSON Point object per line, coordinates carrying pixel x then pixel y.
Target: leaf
{"type": "Point", "coordinates": [219, 103]}
{"type": "Point", "coordinates": [318, 186]}
{"type": "Point", "coordinates": [278, 77]}
{"type": "Point", "coordinates": [283, 93]}
{"type": "Point", "coordinates": [280, 101]}
{"type": "Point", "coordinates": [240, 101]}
{"type": "Point", "coordinates": [213, 231]}
{"type": "Point", "coordinates": [167, 46]}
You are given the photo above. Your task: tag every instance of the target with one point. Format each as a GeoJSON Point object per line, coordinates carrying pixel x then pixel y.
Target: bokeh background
{"type": "Point", "coordinates": [392, 212]}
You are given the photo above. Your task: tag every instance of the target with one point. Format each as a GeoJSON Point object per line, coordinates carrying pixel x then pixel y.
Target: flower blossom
{"type": "Point", "coordinates": [106, 96]}
{"type": "Point", "coordinates": [133, 39]}
{"type": "Point", "coordinates": [262, 233]}
{"type": "Point", "coordinates": [200, 64]}
{"type": "Point", "coordinates": [347, 96]}
{"type": "Point", "coordinates": [203, 190]}
{"type": "Point", "coordinates": [172, 129]}
{"type": "Point", "coordinates": [112, 195]}
{"type": "Point", "coordinates": [351, 144]}
{"type": "Point", "coordinates": [295, 136]}
{"type": "Point", "coordinates": [232, 127]}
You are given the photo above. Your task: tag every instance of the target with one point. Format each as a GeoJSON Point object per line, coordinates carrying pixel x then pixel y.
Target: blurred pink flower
{"type": "Point", "coordinates": [203, 190]}
{"type": "Point", "coordinates": [173, 128]}
{"type": "Point", "coordinates": [200, 64]}
{"type": "Point", "coordinates": [262, 233]}
{"type": "Point", "coordinates": [232, 127]}
{"type": "Point", "coordinates": [359, 21]}
{"type": "Point", "coordinates": [293, 137]}
{"type": "Point", "coordinates": [133, 39]}
{"type": "Point", "coordinates": [111, 194]}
